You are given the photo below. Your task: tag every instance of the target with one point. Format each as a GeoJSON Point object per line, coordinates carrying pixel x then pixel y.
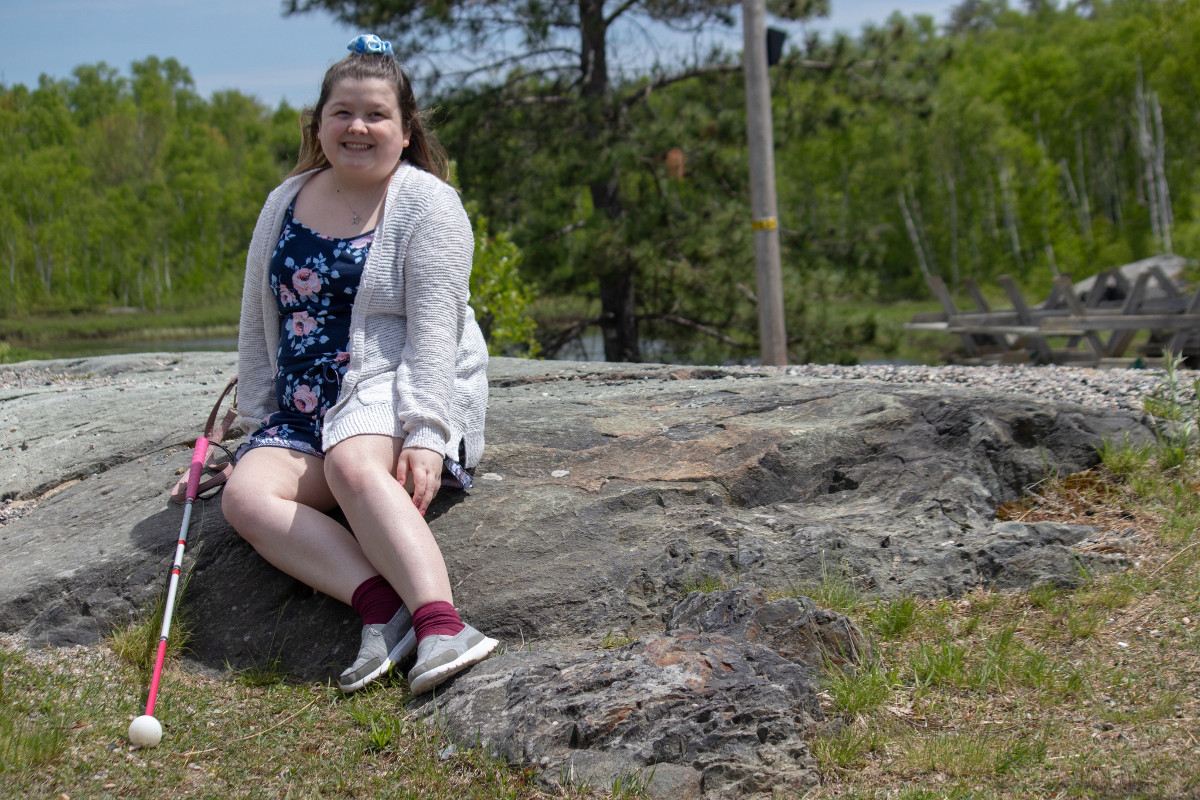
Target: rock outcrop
{"type": "Point", "coordinates": [607, 494]}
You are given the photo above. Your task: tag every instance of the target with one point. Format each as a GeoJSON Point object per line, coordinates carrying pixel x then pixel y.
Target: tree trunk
{"type": "Point", "coordinates": [618, 318]}
{"type": "Point", "coordinates": [618, 307]}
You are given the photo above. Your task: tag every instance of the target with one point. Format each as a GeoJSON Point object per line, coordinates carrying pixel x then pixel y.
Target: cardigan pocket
{"type": "Point", "coordinates": [376, 389]}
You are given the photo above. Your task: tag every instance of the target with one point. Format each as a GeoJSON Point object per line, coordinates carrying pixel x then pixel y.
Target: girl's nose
{"type": "Point", "coordinates": [358, 125]}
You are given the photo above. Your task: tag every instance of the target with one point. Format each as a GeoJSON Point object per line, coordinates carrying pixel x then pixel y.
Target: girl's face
{"type": "Point", "coordinates": [361, 131]}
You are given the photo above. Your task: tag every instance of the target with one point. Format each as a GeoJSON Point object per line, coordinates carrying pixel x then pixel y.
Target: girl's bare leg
{"type": "Point", "coordinates": [276, 500]}
{"type": "Point", "coordinates": [361, 474]}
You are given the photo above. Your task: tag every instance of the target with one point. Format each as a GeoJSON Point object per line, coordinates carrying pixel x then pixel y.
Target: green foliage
{"type": "Point", "coordinates": [129, 191]}
{"type": "Point", "coordinates": [499, 296]}
{"type": "Point", "coordinates": [614, 640]}
{"type": "Point", "coordinates": [845, 749]}
{"type": "Point", "coordinates": [902, 146]}
{"type": "Point", "coordinates": [704, 583]}
{"type": "Point", "coordinates": [1175, 411]}
{"type": "Point", "coordinates": [975, 754]}
{"type": "Point", "coordinates": [1007, 143]}
{"type": "Point", "coordinates": [382, 729]}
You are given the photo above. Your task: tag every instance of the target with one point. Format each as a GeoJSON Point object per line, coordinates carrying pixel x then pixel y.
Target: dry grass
{"type": "Point", "coordinates": [1092, 693]}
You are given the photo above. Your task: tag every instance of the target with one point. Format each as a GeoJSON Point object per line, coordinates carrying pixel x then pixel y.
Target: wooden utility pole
{"type": "Point", "coordinates": [771, 329]}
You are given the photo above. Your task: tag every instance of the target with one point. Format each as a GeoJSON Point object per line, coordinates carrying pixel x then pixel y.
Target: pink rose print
{"type": "Point", "coordinates": [285, 296]}
{"type": "Point", "coordinates": [362, 241]}
{"type": "Point", "coordinates": [342, 357]}
{"type": "Point", "coordinates": [305, 399]}
{"type": "Point", "coordinates": [306, 282]}
{"type": "Point", "coordinates": [302, 323]}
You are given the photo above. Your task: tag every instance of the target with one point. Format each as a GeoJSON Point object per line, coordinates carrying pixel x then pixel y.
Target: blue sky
{"type": "Point", "coordinates": [248, 44]}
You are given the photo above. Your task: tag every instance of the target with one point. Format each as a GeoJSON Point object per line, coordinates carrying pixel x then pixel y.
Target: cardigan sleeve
{"type": "Point", "coordinates": [255, 378]}
{"type": "Point", "coordinates": [437, 270]}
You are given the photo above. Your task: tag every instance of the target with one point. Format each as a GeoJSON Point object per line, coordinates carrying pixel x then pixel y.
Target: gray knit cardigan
{"type": "Point", "coordinates": [418, 362]}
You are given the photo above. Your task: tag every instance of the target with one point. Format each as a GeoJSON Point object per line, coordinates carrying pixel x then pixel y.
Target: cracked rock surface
{"type": "Point", "coordinates": [607, 493]}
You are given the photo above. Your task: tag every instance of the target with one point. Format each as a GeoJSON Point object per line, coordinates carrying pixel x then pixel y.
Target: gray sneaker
{"type": "Point", "coordinates": [383, 644]}
{"type": "Point", "coordinates": [439, 657]}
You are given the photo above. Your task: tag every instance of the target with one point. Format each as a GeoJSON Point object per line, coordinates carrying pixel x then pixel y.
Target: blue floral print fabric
{"type": "Point", "coordinates": [314, 279]}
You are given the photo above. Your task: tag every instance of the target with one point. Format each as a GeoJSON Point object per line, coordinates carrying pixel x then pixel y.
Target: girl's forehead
{"type": "Point", "coordinates": [350, 90]}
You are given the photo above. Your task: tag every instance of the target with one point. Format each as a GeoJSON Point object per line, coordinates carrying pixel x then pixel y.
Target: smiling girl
{"type": "Point", "coordinates": [362, 371]}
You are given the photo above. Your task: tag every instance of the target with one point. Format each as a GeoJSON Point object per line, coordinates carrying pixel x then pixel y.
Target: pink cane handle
{"type": "Point", "coordinates": [198, 455]}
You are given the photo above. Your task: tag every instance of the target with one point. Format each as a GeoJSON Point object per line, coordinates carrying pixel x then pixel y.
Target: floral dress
{"type": "Point", "coordinates": [314, 279]}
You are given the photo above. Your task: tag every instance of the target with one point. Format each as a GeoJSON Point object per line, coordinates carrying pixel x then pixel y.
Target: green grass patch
{"type": "Point", "coordinates": [705, 584]}
{"type": "Point", "coordinates": [891, 619]}
{"type": "Point", "coordinates": [858, 689]}
{"type": "Point", "coordinates": [99, 333]}
{"type": "Point", "coordinates": [613, 640]}
{"type": "Point", "coordinates": [974, 755]}
{"type": "Point", "coordinates": [835, 590]}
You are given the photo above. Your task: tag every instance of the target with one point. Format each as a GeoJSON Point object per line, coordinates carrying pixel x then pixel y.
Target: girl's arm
{"type": "Point", "coordinates": [437, 270]}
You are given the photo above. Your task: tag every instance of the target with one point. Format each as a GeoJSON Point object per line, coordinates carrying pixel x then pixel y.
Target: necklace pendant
{"type": "Point", "coordinates": [357, 218]}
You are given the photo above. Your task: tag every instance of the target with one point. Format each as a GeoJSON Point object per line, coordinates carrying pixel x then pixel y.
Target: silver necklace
{"type": "Point", "coordinates": [357, 218]}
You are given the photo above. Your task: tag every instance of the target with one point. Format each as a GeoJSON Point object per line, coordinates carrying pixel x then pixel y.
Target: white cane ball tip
{"type": "Point", "coordinates": [145, 731]}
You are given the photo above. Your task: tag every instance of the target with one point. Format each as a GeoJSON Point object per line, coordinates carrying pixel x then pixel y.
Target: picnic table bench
{"type": "Point", "coordinates": [1094, 322]}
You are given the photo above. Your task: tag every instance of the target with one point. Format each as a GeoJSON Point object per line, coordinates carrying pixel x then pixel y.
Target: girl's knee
{"type": "Point", "coordinates": [238, 502]}
{"type": "Point", "coordinates": [350, 469]}
{"type": "Point", "coordinates": [342, 470]}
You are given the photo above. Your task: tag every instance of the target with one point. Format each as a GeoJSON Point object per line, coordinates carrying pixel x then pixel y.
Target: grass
{"type": "Point", "coordinates": [64, 713]}
{"type": "Point", "coordinates": [834, 590]}
{"type": "Point", "coordinates": [1089, 693]}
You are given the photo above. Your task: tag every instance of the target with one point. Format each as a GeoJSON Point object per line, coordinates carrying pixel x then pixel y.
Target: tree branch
{"type": "Point", "coordinates": [645, 91]}
{"type": "Point", "coordinates": [551, 347]}
{"type": "Point", "coordinates": [628, 4]}
{"type": "Point", "coordinates": [689, 323]}
{"type": "Point", "coordinates": [515, 59]}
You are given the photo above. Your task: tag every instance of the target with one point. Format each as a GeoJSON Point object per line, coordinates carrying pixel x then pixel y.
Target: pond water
{"type": "Point", "coordinates": [588, 347]}
{"type": "Point", "coordinates": [104, 347]}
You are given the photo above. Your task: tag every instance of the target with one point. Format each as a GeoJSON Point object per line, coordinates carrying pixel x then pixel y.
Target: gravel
{"type": "Point", "coordinates": [1111, 388]}
{"type": "Point", "coordinates": [1105, 388]}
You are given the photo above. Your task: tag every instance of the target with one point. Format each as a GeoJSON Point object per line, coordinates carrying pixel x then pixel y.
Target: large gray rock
{"type": "Point", "coordinates": [607, 493]}
{"type": "Point", "coordinates": [699, 711]}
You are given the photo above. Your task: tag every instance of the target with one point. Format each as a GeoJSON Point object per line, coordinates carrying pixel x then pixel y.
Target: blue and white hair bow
{"type": "Point", "coordinates": [370, 45]}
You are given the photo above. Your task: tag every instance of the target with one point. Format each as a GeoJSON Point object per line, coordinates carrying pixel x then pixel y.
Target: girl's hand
{"type": "Point", "coordinates": [424, 468]}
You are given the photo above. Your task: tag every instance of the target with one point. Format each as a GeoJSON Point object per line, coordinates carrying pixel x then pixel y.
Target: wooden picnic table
{"type": "Point", "coordinates": [1110, 304]}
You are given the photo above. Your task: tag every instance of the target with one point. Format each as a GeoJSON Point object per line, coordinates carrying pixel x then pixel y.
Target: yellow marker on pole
{"type": "Point", "coordinates": [765, 224]}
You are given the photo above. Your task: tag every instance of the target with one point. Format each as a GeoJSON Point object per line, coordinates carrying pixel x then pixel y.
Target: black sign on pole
{"type": "Point", "coordinates": [775, 39]}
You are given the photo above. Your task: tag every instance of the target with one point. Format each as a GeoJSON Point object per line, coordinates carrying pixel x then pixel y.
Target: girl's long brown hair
{"type": "Point", "coordinates": [423, 151]}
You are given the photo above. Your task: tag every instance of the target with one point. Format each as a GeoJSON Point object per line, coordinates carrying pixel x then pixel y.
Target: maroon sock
{"type": "Point", "coordinates": [375, 601]}
{"type": "Point", "coordinates": [438, 618]}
